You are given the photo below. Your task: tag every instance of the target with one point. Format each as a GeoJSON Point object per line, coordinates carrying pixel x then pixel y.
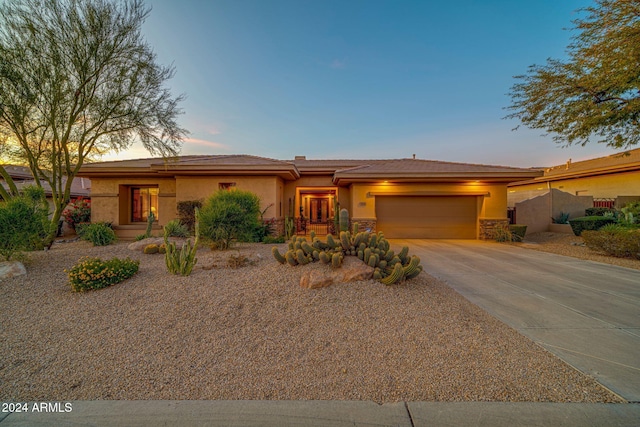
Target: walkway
{"type": "Point", "coordinates": [587, 313]}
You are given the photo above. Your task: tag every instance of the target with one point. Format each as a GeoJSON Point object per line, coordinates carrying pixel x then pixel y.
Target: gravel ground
{"type": "Point", "coordinates": [253, 333]}
{"type": "Point", "coordinates": [570, 245]}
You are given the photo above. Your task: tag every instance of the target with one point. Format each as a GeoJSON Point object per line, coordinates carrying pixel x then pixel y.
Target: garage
{"type": "Point", "coordinates": [427, 217]}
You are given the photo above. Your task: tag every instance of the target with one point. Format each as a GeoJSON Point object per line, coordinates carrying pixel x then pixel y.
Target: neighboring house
{"type": "Point", "coordinates": [615, 177]}
{"type": "Point", "coordinates": [405, 198]}
{"type": "Point", "coordinates": [21, 175]}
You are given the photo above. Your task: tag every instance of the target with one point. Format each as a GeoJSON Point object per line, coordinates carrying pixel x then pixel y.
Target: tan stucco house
{"type": "Point", "coordinates": [405, 198]}
{"type": "Point", "coordinates": [615, 177]}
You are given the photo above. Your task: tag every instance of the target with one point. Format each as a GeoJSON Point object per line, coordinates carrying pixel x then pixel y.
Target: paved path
{"type": "Point", "coordinates": [585, 312]}
{"type": "Point", "coordinates": [327, 414]}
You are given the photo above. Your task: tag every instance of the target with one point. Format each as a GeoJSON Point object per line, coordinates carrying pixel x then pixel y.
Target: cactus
{"type": "Point", "coordinates": [336, 260]}
{"type": "Point", "coordinates": [403, 254]}
{"type": "Point", "coordinates": [373, 261]}
{"type": "Point", "coordinates": [182, 262]}
{"type": "Point", "coordinates": [389, 256]}
{"type": "Point", "coordinates": [307, 248]}
{"type": "Point", "coordinates": [356, 228]}
{"type": "Point", "coordinates": [289, 227]}
{"type": "Point", "coordinates": [151, 249]}
{"type": "Point", "coordinates": [162, 249]}
{"type": "Point", "coordinates": [344, 220]}
{"type": "Point", "coordinates": [324, 258]}
{"type": "Point", "coordinates": [291, 258]}
{"type": "Point", "coordinates": [376, 274]}
{"type": "Point", "coordinates": [396, 275]}
{"type": "Point", "coordinates": [373, 242]}
{"type": "Point", "coordinates": [281, 259]}
{"type": "Point", "coordinates": [344, 240]}
{"type": "Point", "coordinates": [331, 242]}
{"type": "Point", "coordinates": [412, 266]}
{"type": "Point", "coordinates": [367, 255]}
{"type": "Point", "coordinates": [301, 257]}
{"type": "Point", "coordinates": [382, 263]}
{"type": "Point", "coordinates": [414, 274]}
{"type": "Point", "coordinates": [316, 255]}
{"type": "Point", "coordinates": [313, 235]}
{"type": "Point", "coordinates": [361, 255]}
{"type": "Point", "coordinates": [150, 220]}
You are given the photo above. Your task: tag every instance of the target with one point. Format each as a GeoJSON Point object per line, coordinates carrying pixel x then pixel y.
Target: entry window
{"type": "Point", "coordinates": [143, 201]}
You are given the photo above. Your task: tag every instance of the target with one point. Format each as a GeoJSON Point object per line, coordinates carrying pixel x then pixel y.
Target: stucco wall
{"type": "Point", "coordinates": [536, 213]}
{"type": "Point", "coordinates": [600, 187]}
{"type": "Point", "coordinates": [196, 187]}
{"type": "Point", "coordinates": [107, 194]}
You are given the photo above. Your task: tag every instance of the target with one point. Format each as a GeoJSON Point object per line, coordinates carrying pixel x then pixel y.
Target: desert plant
{"type": "Point", "coordinates": [517, 232]}
{"type": "Point", "coordinates": [98, 233]}
{"type": "Point", "coordinates": [186, 212]}
{"type": "Point", "coordinates": [630, 214]}
{"type": "Point", "coordinates": [175, 228]}
{"type": "Point", "coordinates": [94, 273]}
{"type": "Point", "coordinates": [598, 211]}
{"type": "Point", "coordinates": [502, 234]}
{"type": "Point", "coordinates": [229, 216]}
{"type": "Point", "coordinates": [182, 261]}
{"type": "Point", "coordinates": [78, 211]}
{"type": "Point", "coordinates": [344, 220]}
{"type": "Point", "coordinates": [615, 240]}
{"type": "Point", "coordinates": [578, 225]}
{"type": "Point", "coordinates": [151, 249]}
{"type": "Point", "coordinates": [273, 239]}
{"type": "Point", "coordinates": [561, 218]}
{"type": "Point", "coordinates": [23, 223]}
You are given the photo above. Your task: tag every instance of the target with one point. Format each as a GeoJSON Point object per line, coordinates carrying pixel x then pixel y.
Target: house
{"type": "Point", "coordinates": [22, 177]}
{"type": "Point", "coordinates": [614, 178]}
{"type": "Point", "coordinates": [406, 198]}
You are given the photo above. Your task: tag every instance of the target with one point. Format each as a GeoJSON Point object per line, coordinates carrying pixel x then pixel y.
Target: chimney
{"type": "Point", "coordinates": [568, 163]}
{"type": "Point", "coordinates": [300, 158]}
{"type": "Point", "coordinates": [414, 157]}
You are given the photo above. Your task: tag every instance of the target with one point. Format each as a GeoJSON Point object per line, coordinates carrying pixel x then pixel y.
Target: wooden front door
{"type": "Point", "coordinates": [319, 210]}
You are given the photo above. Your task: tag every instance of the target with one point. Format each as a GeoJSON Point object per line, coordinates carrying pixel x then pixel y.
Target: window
{"type": "Point", "coordinates": [226, 185]}
{"type": "Point", "coordinates": [143, 201]}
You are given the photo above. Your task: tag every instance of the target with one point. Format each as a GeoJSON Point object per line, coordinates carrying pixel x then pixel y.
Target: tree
{"type": "Point", "coordinates": [77, 79]}
{"type": "Point", "coordinates": [596, 92]}
{"type": "Point", "coordinates": [230, 215]}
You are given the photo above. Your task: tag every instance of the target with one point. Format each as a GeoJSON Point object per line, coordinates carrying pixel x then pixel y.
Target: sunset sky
{"type": "Point", "coordinates": [360, 79]}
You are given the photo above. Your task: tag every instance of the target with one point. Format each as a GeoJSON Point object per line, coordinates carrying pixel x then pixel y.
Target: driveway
{"type": "Point", "coordinates": [587, 313]}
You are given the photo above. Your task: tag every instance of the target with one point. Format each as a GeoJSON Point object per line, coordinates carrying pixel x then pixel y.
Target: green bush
{"type": "Point", "coordinates": [517, 232]}
{"type": "Point", "coordinates": [614, 240]}
{"type": "Point", "coordinates": [175, 228]}
{"type": "Point", "coordinates": [578, 225]}
{"type": "Point", "coordinates": [630, 214]}
{"type": "Point", "coordinates": [23, 223]}
{"type": "Point", "coordinates": [502, 234]}
{"type": "Point", "coordinates": [599, 211]}
{"type": "Point", "coordinates": [273, 240]}
{"type": "Point", "coordinates": [94, 273]}
{"type": "Point", "coordinates": [186, 212]}
{"type": "Point", "coordinates": [98, 233]}
{"type": "Point", "coordinates": [229, 216]}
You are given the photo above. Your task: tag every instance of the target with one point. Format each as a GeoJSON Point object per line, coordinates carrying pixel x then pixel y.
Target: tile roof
{"type": "Point", "coordinates": [617, 160]}
{"type": "Point", "coordinates": [420, 166]}
{"type": "Point", "coordinates": [22, 178]}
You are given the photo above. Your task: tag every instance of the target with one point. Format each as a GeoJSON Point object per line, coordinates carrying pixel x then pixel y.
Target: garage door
{"type": "Point", "coordinates": [427, 217]}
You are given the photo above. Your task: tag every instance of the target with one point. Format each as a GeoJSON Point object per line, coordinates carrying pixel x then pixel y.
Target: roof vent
{"type": "Point", "coordinates": [414, 157]}
{"type": "Point", "coordinates": [300, 158]}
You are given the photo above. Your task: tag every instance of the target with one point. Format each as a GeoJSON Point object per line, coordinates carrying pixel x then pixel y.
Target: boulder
{"type": "Point", "coordinates": [10, 269]}
{"type": "Point", "coordinates": [352, 270]}
{"type": "Point", "coordinates": [141, 244]}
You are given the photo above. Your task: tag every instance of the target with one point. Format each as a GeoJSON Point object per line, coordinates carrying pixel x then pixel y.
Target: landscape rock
{"type": "Point", "coordinates": [141, 244]}
{"type": "Point", "coordinates": [352, 270]}
{"type": "Point", "coordinates": [10, 269]}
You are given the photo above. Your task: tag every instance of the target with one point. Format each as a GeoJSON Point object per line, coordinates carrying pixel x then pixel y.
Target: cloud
{"type": "Point", "coordinates": [205, 143]}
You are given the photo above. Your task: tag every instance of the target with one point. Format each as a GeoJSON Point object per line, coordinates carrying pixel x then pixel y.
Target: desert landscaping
{"type": "Point", "coordinates": [251, 332]}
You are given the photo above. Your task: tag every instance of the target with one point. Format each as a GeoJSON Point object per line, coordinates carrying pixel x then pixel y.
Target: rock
{"type": "Point", "coordinates": [315, 279]}
{"type": "Point", "coordinates": [141, 244]}
{"type": "Point", "coordinates": [10, 269]}
{"type": "Point", "coordinates": [352, 270]}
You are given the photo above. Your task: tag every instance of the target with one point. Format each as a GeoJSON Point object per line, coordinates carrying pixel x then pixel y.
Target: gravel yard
{"type": "Point", "coordinates": [253, 333]}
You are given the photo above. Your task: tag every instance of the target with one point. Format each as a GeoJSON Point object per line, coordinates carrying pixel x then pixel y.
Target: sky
{"type": "Point", "coordinates": [360, 79]}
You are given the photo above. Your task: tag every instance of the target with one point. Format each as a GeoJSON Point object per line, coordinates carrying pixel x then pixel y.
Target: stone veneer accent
{"type": "Point", "coordinates": [488, 225]}
{"type": "Point", "coordinates": [278, 226]}
{"type": "Point", "coordinates": [364, 224]}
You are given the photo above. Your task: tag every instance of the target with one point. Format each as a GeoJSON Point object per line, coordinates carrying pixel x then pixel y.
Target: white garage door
{"type": "Point", "coordinates": [427, 217]}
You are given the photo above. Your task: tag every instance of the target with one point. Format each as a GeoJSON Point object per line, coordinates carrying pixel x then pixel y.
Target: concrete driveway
{"type": "Point", "coordinates": [587, 313]}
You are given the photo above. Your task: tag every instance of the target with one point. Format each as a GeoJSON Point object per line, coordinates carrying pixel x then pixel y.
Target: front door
{"type": "Point", "coordinates": [319, 210]}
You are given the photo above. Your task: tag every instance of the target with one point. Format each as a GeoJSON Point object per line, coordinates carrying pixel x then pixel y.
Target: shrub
{"type": "Point", "coordinates": [578, 225]}
{"type": "Point", "coordinates": [175, 228]}
{"type": "Point", "coordinates": [98, 233]}
{"type": "Point", "coordinates": [562, 218]}
{"type": "Point", "coordinates": [517, 232]}
{"type": "Point", "coordinates": [229, 216]}
{"type": "Point", "coordinates": [94, 273]}
{"type": "Point", "coordinates": [151, 249]}
{"type": "Point", "coordinates": [598, 211]}
{"type": "Point", "coordinates": [614, 240]}
{"type": "Point", "coordinates": [186, 212]}
{"type": "Point", "coordinates": [502, 234]}
{"type": "Point", "coordinates": [272, 239]}
{"type": "Point", "coordinates": [630, 214]}
{"type": "Point", "coordinates": [78, 211]}
{"type": "Point", "coordinates": [23, 223]}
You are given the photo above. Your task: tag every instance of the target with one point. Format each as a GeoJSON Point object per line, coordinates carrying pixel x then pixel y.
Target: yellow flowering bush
{"type": "Point", "coordinates": [94, 273]}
